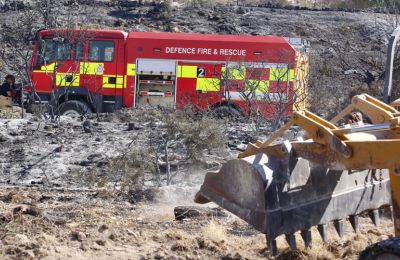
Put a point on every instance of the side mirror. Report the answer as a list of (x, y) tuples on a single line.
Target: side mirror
[(387, 92)]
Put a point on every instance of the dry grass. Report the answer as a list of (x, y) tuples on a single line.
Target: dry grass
[(215, 232), (9, 114)]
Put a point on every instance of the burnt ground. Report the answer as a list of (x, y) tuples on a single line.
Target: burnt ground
[(50, 207)]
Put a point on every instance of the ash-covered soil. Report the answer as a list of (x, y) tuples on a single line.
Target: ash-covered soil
[(48, 210), (35, 151)]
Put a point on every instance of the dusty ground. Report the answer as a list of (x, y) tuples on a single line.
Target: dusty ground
[(66, 224)]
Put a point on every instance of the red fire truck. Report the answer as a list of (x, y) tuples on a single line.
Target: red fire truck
[(105, 70)]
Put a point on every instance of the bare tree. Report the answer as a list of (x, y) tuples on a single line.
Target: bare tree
[(269, 90), (15, 49), (179, 138)]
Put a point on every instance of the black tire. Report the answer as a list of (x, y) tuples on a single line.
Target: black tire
[(74, 107), (385, 250), (227, 112)]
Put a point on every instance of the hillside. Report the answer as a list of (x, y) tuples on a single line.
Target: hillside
[(347, 48)]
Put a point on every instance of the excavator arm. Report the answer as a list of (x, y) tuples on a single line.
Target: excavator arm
[(376, 111)]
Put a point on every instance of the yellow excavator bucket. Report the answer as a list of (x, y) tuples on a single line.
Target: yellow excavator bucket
[(333, 175)]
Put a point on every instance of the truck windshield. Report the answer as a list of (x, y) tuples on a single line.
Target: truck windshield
[(51, 51)]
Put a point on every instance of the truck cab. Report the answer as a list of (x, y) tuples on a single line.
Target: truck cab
[(80, 70)]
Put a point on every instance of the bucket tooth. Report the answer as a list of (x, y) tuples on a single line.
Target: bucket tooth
[(323, 231), (354, 222), (391, 211), (291, 240), (374, 215), (273, 247), (306, 235), (339, 226)]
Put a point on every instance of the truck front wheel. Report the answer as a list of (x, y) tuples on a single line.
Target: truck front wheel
[(74, 108)]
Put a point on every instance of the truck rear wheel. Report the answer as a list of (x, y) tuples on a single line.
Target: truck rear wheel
[(227, 112), (385, 250), (74, 108)]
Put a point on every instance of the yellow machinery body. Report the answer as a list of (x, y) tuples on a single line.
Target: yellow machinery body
[(375, 146)]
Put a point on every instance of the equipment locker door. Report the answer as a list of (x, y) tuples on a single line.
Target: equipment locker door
[(156, 82)]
